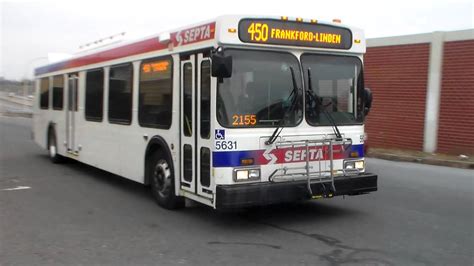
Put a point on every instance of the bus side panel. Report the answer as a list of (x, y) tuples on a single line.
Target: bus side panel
[(40, 119), (131, 140), (58, 118), (120, 149), (135, 139), (98, 141)]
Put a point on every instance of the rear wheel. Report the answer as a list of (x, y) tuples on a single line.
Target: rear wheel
[(53, 148), (162, 182)]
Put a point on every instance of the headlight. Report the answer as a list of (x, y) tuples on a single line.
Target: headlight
[(359, 165), (349, 165), (246, 174), (354, 164)]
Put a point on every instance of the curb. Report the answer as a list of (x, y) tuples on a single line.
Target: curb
[(17, 114), (423, 160)]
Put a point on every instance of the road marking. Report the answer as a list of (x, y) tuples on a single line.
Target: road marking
[(16, 188)]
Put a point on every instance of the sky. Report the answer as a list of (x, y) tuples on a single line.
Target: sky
[(30, 30)]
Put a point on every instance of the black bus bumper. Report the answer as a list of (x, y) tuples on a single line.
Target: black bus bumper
[(245, 195)]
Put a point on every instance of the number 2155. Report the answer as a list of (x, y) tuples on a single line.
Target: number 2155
[(244, 120)]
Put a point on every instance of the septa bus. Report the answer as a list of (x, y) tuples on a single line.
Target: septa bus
[(231, 112)]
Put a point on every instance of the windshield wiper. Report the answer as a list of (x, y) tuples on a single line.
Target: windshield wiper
[(294, 93), (310, 93)]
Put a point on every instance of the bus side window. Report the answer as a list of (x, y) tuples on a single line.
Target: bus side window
[(58, 92), (156, 93), (44, 93), (94, 95), (120, 94)]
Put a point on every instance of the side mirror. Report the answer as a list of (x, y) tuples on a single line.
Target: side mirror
[(367, 101), (221, 66)]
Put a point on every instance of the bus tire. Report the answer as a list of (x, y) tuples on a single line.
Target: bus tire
[(53, 147), (162, 182)]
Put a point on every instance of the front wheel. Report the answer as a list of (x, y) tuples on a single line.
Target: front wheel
[(53, 148), (162, 182)]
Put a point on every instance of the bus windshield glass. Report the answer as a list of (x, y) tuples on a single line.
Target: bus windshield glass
[(337, 89), (259, 92)]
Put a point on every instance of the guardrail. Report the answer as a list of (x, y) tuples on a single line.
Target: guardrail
[(17, 100)]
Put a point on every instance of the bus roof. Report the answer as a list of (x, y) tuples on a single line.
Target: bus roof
[(225, 30)]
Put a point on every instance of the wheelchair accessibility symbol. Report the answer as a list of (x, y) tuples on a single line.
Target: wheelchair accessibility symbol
[(220, 134)]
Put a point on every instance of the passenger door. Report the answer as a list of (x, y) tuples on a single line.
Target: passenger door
[(187, 120), (196, 159), (71, 110)]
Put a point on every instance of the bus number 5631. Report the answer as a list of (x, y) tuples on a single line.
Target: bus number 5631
[(226, 145), (258, 32)]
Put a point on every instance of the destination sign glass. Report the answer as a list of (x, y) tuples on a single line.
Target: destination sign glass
[(271, 31)]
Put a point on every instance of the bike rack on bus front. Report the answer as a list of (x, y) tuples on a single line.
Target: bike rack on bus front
[(298, 173)]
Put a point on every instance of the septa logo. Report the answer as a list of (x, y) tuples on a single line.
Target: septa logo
[(300, 155), (196, 34), (294, 155), (269, 156)]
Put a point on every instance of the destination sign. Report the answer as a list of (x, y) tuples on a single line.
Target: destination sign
[(278, 32)]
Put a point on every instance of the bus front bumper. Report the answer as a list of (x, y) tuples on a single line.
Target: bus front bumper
[(245, 195)]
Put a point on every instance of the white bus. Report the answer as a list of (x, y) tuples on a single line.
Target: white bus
[(232, 112)]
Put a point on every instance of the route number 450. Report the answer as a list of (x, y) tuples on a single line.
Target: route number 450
[(258, 32)]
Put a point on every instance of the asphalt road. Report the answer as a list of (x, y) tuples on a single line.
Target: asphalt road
[(76, 214)]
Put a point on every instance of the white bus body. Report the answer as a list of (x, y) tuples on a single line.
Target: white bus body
[(225, 166)]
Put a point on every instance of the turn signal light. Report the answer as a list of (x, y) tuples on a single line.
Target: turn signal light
[(354, 154), (246, 161)]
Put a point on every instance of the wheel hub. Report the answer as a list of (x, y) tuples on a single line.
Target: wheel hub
[(52, 147), (162, 178)]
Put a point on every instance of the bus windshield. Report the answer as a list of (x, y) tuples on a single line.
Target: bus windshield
[(259, 93), (337, 89)]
